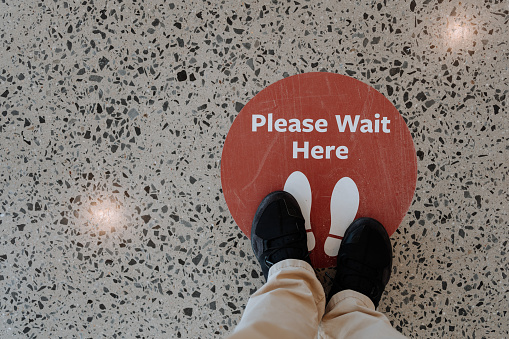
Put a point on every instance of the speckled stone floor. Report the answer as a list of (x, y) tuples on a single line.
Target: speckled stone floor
[(112, 121)]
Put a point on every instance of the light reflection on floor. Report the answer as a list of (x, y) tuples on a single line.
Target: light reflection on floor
[(105, 216)]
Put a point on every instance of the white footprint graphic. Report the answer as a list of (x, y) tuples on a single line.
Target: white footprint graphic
[(343, 208), (297, 185)]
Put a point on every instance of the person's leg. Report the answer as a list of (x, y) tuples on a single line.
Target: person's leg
[(350, 314), (290, 305), (363, 270), (292, 302)]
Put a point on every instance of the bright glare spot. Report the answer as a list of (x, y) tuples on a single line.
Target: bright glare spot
[(458, 32), (105, 216)]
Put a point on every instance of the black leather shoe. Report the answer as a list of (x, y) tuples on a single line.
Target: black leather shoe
[(278, 231), (364, 260)]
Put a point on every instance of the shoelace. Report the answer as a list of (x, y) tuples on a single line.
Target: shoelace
[(298, 237)]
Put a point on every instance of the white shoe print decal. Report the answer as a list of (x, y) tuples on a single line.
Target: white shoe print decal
[(343, 206), (297, 185)]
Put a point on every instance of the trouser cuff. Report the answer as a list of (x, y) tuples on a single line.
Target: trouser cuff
[(340, 296)]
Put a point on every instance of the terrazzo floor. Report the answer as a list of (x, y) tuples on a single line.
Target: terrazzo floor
[(113, 115)]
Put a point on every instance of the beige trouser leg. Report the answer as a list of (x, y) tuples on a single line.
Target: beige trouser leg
[(291, 305), (350, 314)]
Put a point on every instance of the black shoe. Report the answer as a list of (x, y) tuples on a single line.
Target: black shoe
[(278, 231), (364, 260)]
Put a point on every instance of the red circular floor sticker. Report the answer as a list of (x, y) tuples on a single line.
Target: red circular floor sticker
[(336, 144)]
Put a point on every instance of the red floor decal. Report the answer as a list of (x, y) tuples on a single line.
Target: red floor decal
[(339, 146)]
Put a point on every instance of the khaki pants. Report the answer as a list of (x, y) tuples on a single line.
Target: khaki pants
[(292, 305)]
